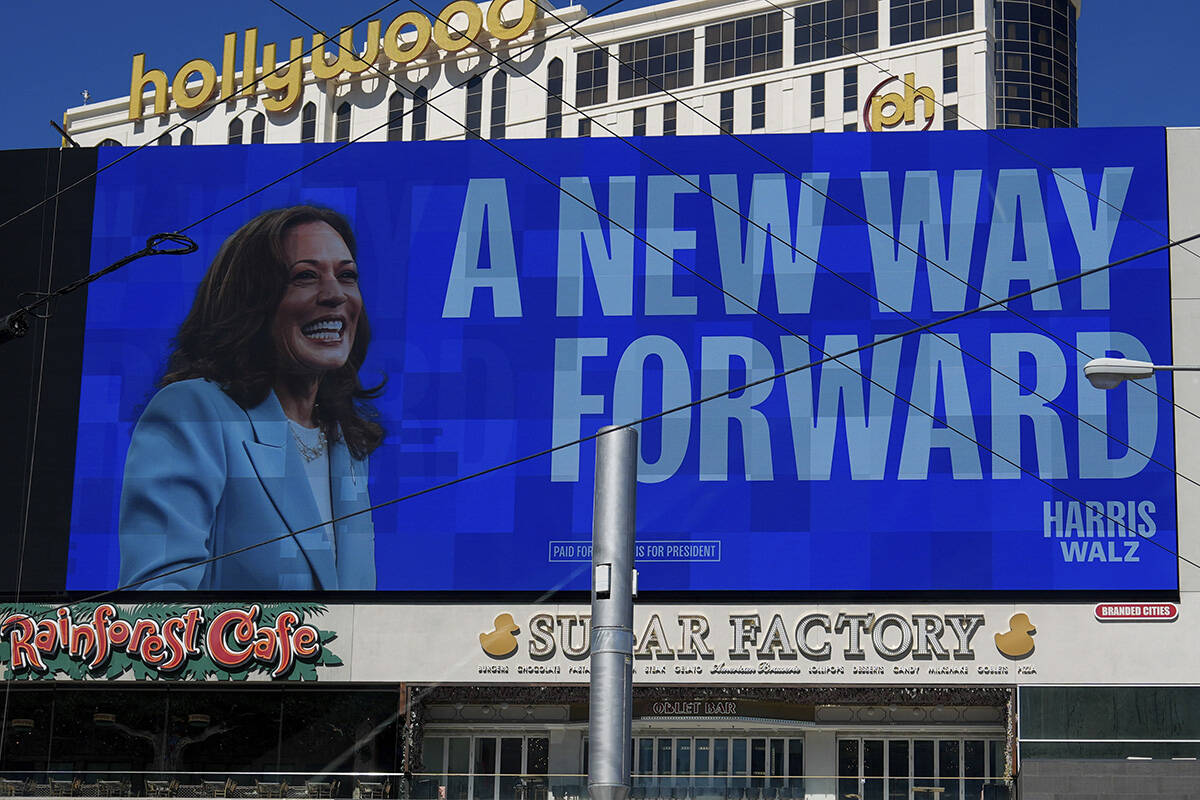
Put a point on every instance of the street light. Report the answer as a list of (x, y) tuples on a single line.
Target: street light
[(1108, 373)]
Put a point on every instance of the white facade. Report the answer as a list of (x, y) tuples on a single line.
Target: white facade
[(955, 69)]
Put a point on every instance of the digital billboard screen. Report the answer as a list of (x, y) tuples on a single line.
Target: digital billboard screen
[(523, 294)]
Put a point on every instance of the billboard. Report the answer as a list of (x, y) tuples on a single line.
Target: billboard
[(523, 294)]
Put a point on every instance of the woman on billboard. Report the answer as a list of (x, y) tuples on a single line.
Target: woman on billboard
[(257, 433)]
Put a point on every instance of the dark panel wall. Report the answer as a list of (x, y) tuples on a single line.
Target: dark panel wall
[(49, 246), (1108, 780)]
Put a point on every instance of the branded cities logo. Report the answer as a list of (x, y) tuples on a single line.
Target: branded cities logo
[(161, 641)]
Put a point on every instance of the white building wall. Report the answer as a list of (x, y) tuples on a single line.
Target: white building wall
[(788, 87)]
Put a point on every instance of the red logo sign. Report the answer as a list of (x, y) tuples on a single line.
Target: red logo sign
[(1137, 612)]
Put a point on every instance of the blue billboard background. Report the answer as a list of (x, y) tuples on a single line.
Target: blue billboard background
[(509, 317)]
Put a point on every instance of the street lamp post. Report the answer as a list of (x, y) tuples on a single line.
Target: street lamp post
[(1109, 373)]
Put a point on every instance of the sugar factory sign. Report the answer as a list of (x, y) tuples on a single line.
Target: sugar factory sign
[(685, 646), (405, 39), (161, 641)]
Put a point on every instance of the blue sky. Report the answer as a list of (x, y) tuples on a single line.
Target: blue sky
[(1131, 64)]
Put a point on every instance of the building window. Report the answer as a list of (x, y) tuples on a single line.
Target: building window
[(660, 63), (949, 70), (109, 143), (420, 113), (187, 136), (591, 78), (484, 766), (895, 767), (727, 111), (913, 20), (164, 140), (834, 28), (669, 125), (342, 123), (395, 125), (474, 118), (818, 95), (554, 103), (639, 122), (743, 46), (235, 131), (585, 127), (499, 105), (850, 89), (1035, 52), (950, 117), (850, 126), (758, 107), (308, 122), (258, 129)]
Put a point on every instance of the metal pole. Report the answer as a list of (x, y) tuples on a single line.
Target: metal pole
[(610, 716)]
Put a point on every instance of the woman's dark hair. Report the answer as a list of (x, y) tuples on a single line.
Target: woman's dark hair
[(226, 337)]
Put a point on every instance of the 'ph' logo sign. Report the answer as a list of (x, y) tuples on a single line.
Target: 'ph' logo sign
[(884, 111)]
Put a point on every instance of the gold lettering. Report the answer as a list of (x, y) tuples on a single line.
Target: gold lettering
[(454, 41), (889, 110), (249, 64), (228, 65), (391, 39), (506, 33), (291, 82), (137, 86), (208, 84), (345, 60), (890, 118)]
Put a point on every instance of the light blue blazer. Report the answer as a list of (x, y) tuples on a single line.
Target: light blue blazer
[(205, 477)]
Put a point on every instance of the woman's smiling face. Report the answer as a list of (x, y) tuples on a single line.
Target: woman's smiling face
[(315, 322)]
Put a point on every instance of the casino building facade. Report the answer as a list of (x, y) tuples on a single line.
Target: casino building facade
[(526, 70)]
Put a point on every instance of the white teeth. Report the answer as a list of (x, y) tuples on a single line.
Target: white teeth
[(325, 330)]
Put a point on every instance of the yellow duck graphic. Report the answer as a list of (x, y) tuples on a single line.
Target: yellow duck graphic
[(1017, 641), (500, 642)]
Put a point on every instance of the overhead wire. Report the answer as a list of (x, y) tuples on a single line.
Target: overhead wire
[(828, 358), (184, 122), (845, 207), (818, 190), (1002, 140), (753, 309)]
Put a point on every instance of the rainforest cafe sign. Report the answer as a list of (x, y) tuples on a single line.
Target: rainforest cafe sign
[(162, 641), (405, 39)]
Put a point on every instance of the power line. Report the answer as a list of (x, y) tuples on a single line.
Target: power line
[(183, 122), (788, 244), (648, 418), (694, 403), (391, 118), (848, 209), (847, 51)]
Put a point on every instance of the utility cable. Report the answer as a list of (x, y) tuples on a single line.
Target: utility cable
[(848, 51), (784, 242), (842, 205), (160, 244), (199, 113), (394, 117), (722, 394), (838, 357), (694, 403), (15, 324)]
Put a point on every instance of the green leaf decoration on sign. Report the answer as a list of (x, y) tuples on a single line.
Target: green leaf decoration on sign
[(198, 668)]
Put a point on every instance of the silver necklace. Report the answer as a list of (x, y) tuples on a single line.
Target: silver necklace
[(309, 452)]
